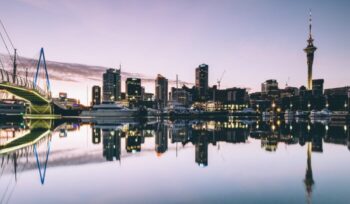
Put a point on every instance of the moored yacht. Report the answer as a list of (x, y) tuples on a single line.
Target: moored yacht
[(110, 109)]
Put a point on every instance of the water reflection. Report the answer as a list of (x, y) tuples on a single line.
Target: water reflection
[(26, 144)]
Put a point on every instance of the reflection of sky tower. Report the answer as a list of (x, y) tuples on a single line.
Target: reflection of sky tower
[(310, 50), (309, 180)]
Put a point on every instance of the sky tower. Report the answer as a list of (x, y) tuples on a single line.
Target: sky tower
[(310, 50)]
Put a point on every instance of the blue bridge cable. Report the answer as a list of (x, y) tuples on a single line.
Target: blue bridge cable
[(42, 175), (42, 57)]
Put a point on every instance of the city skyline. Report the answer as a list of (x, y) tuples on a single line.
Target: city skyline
[(239, 42), (186, 101)]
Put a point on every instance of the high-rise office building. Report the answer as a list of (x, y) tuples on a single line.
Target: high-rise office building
[(270, 87), (161, 90), (96, 95), (310, 50), (181, 96), (112, 85), (202, 81), (133, 89), (317, 87)]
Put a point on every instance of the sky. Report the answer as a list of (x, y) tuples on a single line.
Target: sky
[(251, 40)]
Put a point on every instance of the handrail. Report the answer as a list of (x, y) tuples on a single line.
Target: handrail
[(19, 81)]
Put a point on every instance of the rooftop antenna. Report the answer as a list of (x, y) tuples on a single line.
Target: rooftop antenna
[(310, 40), (310, 23), (177, 81), (287, 82)]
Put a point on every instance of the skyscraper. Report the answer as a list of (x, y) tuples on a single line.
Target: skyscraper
[(96, 95), (133, 89), (310, 50), (317, 87), (202, 79), (161, 90), (112, 85), (270, 87)]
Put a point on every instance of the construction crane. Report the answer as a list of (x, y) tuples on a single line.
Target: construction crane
[(219, 80)]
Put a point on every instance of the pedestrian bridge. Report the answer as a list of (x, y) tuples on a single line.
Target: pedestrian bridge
[(39, 100)]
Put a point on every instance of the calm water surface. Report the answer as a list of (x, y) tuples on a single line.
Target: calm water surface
[(174, 162)]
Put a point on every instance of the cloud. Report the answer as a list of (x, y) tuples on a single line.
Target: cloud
[(41, 4), (73, 72)]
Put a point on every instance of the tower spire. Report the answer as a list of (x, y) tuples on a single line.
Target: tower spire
[(310, 23), (310, 50)]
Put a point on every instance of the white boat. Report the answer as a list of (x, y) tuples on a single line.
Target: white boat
[(110, 109), (324, 113)]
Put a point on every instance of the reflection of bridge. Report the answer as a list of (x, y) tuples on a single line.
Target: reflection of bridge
[(38, 129), (19, 151), (33, 137), (23, 152)]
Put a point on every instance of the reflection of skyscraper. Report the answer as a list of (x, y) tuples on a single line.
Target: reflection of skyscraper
[(310, 50), (133, 144), (317, 133), (309, 180), (161, 139), (202, 150), (96, 135), (347, 130), (111, 144)]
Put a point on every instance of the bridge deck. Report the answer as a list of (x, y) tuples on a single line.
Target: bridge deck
[(31, 138), (27, 94)]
